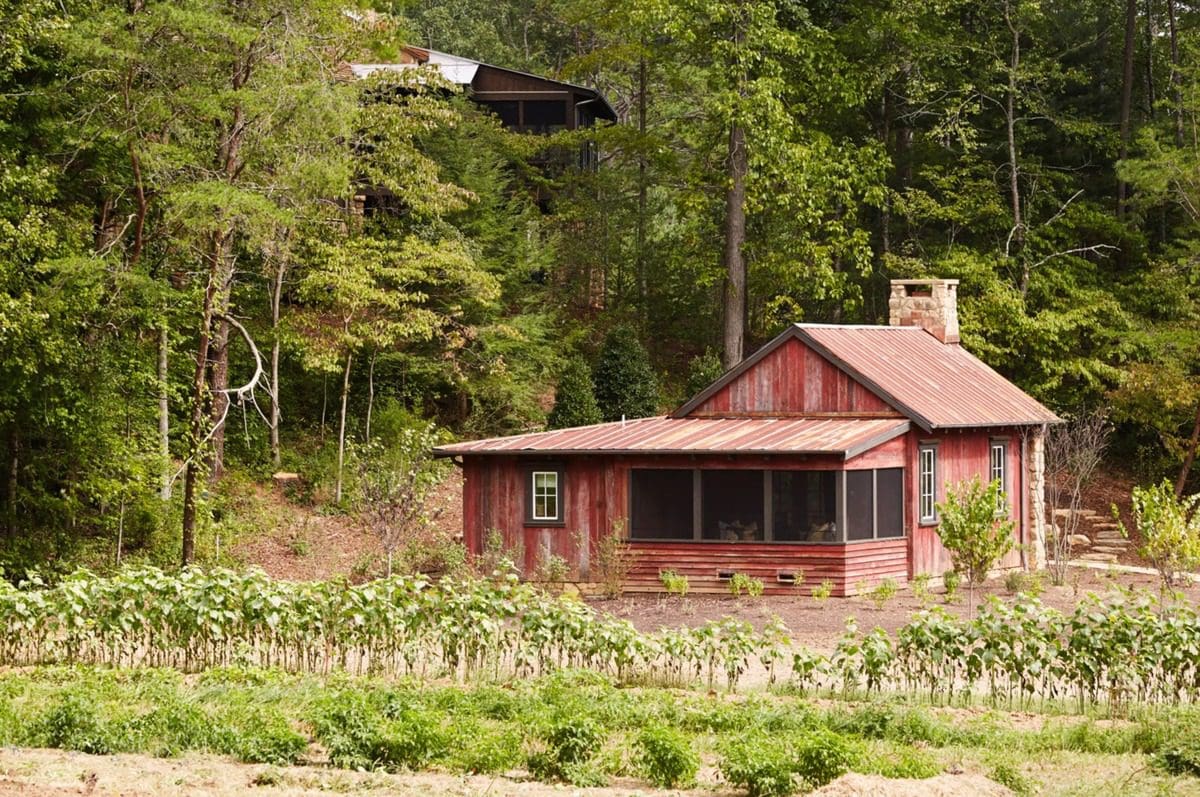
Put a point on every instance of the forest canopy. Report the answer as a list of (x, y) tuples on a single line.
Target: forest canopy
[(199, 281)]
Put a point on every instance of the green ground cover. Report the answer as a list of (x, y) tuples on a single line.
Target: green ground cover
[(581, 728)]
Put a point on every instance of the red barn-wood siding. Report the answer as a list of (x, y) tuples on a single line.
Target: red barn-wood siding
[(793, 379), (961, 456), (849, 567)]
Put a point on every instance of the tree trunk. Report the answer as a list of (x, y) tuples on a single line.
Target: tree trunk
[(1176, 78), (199, 395), (643, 189), (164, 411), (1189, 457), (1151, 34), (370, 394), (735, 237), (1126, 98), (1017, 235), (220, 399), (341, 457), (276, 293)]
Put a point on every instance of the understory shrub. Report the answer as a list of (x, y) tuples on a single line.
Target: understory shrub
[(666, 758), (822, 756), (1180, 754), (72, 722), (570, 745), (759, 764)]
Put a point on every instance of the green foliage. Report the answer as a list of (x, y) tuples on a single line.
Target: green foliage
[(674, 583), (1007, 774), (613, 560), (760, 765), (574, 399), (625, 384), (571, 744), (823, 591), (951, 580), (1170, 530), (1180, 754), (703, 370), (822, 756), (884, 591), (666, 758), (741, 583), (970, 529)]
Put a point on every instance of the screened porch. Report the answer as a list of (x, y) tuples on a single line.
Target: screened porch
[(766, 506)]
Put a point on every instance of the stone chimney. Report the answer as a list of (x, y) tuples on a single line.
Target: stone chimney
[(929, 304)]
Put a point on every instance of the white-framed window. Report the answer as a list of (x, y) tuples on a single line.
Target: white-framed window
[(927, 483), (546, 503), (998, 471)]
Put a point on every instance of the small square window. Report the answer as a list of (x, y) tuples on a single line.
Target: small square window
[(544, 496)]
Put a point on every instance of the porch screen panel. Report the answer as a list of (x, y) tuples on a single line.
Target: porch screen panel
[(804, 505), (889, 502), (860, 509), (660, 504), (732, 505)]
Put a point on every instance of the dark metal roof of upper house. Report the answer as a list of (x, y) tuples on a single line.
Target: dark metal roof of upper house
[(462, 71), (937, 385), (847, 437)]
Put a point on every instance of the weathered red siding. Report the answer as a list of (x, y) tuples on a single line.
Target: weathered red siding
[(793, 379), (961, 456), (850, 567)]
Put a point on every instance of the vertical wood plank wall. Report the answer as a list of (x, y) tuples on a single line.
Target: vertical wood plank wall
[(790, 380)]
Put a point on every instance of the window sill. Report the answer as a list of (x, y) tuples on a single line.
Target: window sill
[(531, 523)]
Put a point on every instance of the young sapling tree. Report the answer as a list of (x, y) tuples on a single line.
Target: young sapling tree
[(974, 532)]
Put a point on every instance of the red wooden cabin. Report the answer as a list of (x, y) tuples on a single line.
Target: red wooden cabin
[(822, 456)]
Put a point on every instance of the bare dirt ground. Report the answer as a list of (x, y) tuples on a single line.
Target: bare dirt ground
[(55, 773), (818, 624)]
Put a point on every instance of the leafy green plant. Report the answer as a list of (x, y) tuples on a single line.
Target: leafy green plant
[(884, 591), (920, 588), (1170, 530), (72, 723), (951, 580), (741, 583), (822, 756), (571, 744), (674, 583), (666, 758), (1007, 774), (972, 532), (760, 765), (823, 591), (613, 560)]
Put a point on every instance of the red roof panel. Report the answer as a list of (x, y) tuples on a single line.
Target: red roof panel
[(845, 436), (936, 384)]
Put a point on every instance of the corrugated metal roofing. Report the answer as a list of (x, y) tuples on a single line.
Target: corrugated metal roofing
[(938, 385), (935, 384), (845, 436)]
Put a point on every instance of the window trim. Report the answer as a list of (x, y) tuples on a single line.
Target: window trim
[(1004, 507), (532, 471), (930, 448)]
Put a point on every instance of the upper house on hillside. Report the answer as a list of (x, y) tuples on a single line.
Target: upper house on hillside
[(822, 456), (523, 102)]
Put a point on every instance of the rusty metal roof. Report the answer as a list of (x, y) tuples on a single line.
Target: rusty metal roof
[(847, 437), (935, 384), (938, 385)]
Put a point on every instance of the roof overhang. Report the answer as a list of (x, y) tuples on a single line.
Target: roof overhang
[(845, 438)]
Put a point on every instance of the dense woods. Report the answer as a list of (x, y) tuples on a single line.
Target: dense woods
[(192, 292)]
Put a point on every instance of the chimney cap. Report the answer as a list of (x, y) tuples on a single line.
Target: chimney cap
[(930, 281)]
